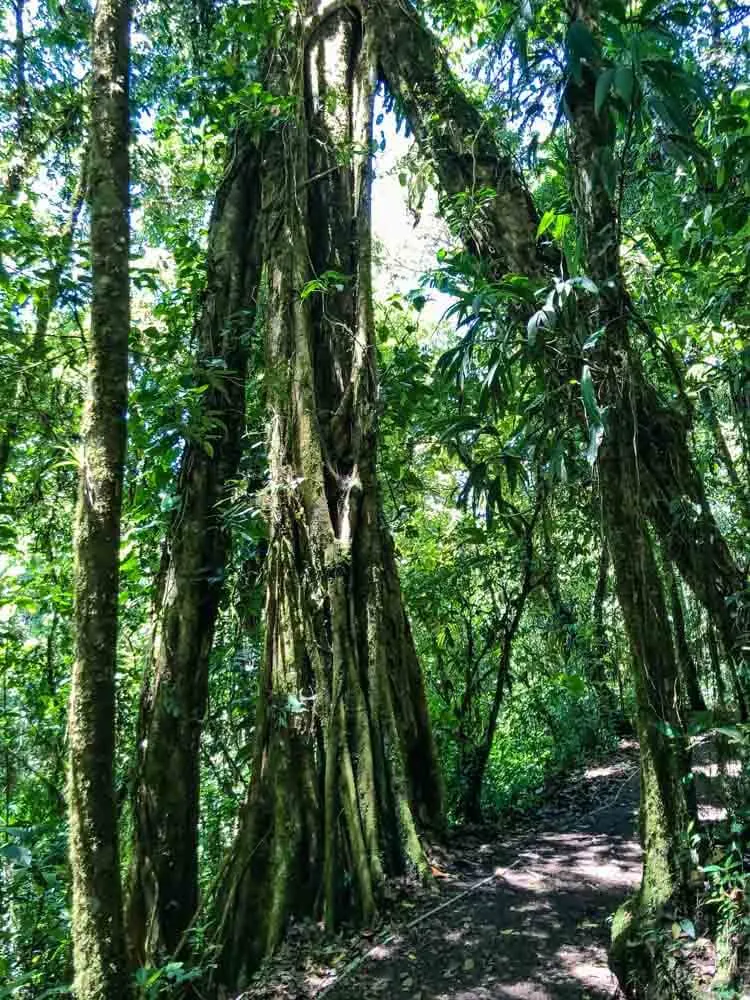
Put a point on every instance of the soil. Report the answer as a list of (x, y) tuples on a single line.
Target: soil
[(523, 916)]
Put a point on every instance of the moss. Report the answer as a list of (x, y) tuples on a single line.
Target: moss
[(621, 924), (648, 962)]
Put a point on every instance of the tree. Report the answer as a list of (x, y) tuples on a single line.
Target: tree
[(466, 157), (419, 76), (164, 876), (98, 939), (665, 811), (344, 772), (477, 745), (593, 360)]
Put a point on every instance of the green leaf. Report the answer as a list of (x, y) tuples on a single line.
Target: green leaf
[(624, 79), (545, 222), (581, 43), (603, 87), (593, 412), (13, 988)]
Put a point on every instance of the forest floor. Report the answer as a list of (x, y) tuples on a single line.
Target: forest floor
[(521, 914)]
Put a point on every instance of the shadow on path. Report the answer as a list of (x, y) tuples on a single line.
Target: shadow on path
[(538, 930)]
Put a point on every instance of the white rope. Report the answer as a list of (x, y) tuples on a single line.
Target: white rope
[(389, 938)]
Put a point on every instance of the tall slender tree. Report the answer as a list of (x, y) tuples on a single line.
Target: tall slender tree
[(98, 938), (164, 874), (617, 378)]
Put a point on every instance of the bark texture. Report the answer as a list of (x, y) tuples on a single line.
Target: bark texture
[(98, 939), (344, 769), (164, 872)]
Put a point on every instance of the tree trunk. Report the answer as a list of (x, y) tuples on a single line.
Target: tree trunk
[(164, 872), (600, 644), (465, 156), (344, 766), (686, 663), (473, 766), (599, 635), (675, 503), (475, 759), (98, 939), (457, 142), (565, 618), (666, 809), (713, 653)]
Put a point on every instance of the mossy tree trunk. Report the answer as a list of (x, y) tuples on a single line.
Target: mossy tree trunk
[(164, 872), (666, 805), (98, 938), (676, 505), (462, 149), (618, 377), (344, 770), (454, 138)]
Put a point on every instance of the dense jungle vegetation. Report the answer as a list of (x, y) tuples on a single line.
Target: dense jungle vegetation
[(306, 558)]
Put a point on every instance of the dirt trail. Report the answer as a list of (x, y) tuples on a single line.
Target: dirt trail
[(537, 930)]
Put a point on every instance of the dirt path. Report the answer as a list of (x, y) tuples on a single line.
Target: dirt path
[(522, 916), (537, 930)]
